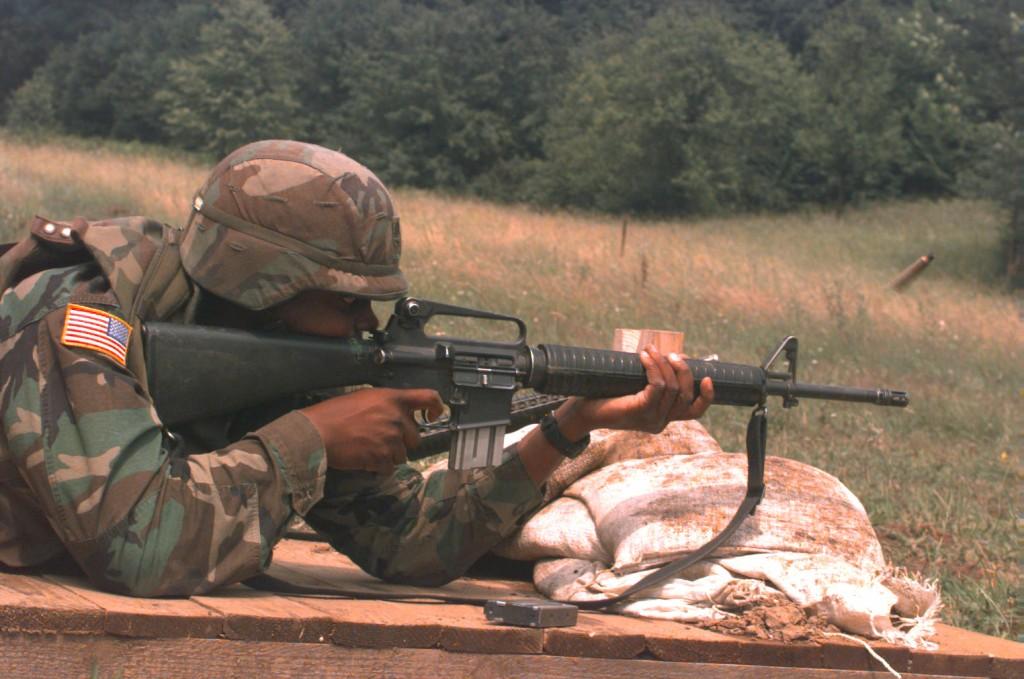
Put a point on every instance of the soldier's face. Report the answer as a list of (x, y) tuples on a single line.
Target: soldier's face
[(327, 314)]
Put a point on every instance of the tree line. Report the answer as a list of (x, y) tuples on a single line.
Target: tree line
[(634, 106)]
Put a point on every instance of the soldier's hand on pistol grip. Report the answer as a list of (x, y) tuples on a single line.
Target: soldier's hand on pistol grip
[(372, 429)]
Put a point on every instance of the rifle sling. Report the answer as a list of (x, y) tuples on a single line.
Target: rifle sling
[(757, 435)]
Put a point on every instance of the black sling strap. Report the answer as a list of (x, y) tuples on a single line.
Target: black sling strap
[(757, 437)]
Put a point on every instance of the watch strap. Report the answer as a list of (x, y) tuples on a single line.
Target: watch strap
[(570, 449)]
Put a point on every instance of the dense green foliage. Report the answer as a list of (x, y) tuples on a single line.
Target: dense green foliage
[(235, 84), (645, 106), (691, 115)]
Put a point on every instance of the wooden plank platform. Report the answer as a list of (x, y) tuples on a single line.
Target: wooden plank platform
[(58, 625)]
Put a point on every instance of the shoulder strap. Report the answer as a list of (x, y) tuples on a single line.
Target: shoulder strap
[(163, 289)]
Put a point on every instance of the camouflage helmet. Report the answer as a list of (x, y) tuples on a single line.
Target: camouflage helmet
[(276, 218)]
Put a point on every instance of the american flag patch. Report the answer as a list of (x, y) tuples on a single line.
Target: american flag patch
[(97, 330)]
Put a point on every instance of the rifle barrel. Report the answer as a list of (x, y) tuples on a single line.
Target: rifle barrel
[(881, 397)]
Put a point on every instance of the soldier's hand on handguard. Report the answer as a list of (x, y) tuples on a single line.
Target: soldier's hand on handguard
[(670, 395), (372, 429)]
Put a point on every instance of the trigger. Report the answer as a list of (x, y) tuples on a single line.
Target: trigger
[(422, 417)]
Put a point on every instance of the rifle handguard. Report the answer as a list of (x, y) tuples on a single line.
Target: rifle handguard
[(600, 373)]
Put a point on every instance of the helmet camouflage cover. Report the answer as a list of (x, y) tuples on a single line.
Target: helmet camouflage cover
[(276, 218)]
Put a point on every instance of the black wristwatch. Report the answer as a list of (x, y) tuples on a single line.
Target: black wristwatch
[(554, 435)]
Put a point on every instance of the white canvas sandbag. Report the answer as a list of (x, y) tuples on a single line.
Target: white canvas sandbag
[(810, 542), (567, 579), (892, 606), (563, 527), (706, 583), (715, 590), (803, 578), (851, 598), (654, 510), (608, 446), (703, 593)]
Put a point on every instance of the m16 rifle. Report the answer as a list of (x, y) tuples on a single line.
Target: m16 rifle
[(197, 371)]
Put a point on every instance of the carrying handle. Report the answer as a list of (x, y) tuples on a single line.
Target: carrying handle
[(413, 313)]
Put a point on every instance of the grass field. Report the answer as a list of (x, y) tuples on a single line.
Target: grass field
[(941, 480)]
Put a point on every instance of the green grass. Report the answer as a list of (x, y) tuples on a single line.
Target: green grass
[(941, 480)]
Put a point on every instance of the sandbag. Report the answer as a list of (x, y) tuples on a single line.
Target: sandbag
[(561, 527), (809, 544), (607, 447), (651, 511), (564, 525)]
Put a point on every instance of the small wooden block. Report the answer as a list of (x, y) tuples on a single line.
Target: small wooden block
[(783, 654), (677, 641), (474, 634), (633, 340), (453, 627), (358, 623), (683, 643), (1007, 668), (377, 624)]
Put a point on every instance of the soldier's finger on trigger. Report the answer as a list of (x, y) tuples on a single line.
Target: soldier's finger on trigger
[(423, 416), (421, 399)]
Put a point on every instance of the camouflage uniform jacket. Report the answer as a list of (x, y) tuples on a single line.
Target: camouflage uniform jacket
[(85, 464)]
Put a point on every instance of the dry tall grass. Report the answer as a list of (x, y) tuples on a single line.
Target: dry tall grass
[(935, 478), (54, 175), (816, 267)]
